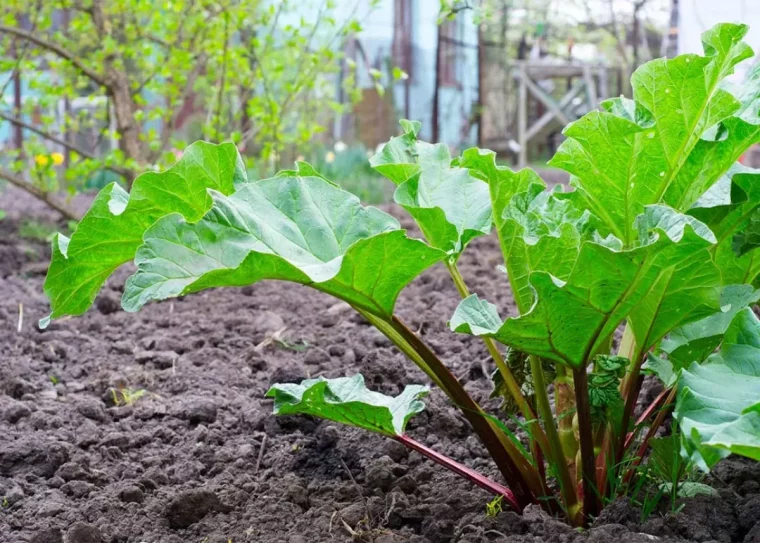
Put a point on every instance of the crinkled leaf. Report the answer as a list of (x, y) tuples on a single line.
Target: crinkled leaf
[(537, 230), (713, 156), (730, 209), (450, 205), (749, 238), (718, 405), (113, 228), (348, 401), (397, 160), (687, 286), (606, 402), (663, 368), (689, 489), (632, 154), (300, 229), (519, 365), (303, 169), (475, 317), (570, 321), (695, 341)]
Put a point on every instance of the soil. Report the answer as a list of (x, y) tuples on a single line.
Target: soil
[(198, 457)]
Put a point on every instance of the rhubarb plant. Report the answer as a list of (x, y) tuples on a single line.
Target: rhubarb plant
[(655, 235)]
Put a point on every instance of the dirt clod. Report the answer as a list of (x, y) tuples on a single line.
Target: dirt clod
[(83, 533), (48, 535), (190, 506)]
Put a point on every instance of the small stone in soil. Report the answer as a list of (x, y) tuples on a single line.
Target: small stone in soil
[(83, 533), (191, 506)]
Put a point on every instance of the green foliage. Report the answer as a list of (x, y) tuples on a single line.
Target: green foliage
[(718, 401), (697, 340), (152, 78), (604, 389), (348, 401), (201, 224), (450, 206), (113, 228)]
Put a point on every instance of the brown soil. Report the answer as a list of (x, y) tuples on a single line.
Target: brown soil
[(199, 457)]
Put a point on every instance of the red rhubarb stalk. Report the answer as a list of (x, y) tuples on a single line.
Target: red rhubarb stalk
[(483, 482)]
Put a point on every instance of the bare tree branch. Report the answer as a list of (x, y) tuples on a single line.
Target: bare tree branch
[(58, 50), (126, 172), (39, 194)]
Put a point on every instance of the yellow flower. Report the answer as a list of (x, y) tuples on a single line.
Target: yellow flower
[(57, 158), (329, 157), (41, 160)]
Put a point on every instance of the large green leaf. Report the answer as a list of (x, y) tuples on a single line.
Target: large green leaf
[(538, 231), (718, 405), (687, 286), (731, 209), (113, 228), (632, 154), (348, 401), (301, 229), (572, 320), (721, 146), (695, 341), (450, 205)]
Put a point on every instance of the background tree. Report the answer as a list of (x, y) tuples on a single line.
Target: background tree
[(148, 77)]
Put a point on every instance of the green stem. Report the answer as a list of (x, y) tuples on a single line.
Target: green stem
[(518, 473), (630, 389), (510, 382), (522, 478), (564, 401), (627, 346), (555, 451), (588, 462), (658, 420)]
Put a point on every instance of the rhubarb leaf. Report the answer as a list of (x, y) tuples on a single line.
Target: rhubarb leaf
[(718, 406), (348, 401), (688, 285), (715, 154), (300, 229), (572, 320), (695, 341), (113, 228), (450, 206), (538, 230), (631, 155), (730, 209)]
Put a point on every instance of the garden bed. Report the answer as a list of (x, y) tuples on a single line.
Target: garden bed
[(199, 457)]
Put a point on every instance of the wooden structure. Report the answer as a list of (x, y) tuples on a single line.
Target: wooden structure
[(586, 85)]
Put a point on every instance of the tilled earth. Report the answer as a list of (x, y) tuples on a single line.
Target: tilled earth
[(188, 451)]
